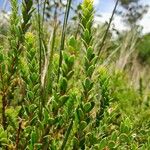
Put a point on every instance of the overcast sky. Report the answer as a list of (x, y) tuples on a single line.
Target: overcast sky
[(105, 7)]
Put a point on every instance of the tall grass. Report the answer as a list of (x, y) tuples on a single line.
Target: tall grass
[(62, 91)]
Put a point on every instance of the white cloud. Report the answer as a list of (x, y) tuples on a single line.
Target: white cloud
[(145, 22), (4, 17), (118, 23), (96, 2)]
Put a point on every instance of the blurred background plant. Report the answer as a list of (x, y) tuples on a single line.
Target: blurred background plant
[(67, 82)]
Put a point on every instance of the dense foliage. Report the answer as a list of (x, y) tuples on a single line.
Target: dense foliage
[(71, 88)]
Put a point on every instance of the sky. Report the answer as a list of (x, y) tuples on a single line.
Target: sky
[(105, 7)]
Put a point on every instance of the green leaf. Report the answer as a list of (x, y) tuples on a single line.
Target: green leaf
[(55, 105), (103, 143), (114, 136), (34, 77), (63, 85), (72, 42), (30, 95), (34, 120), (46, 116), (51, 121), (65, 69), (83, 125), (65, 57), (92, 138), (38, 146), (87, 63), (3, 136), (124, 138), (87, 37), (124, 128), (90, 54), (71, 60), (75, 142), (88, 107), (88, 84), (80, 114), (3, 67), (90, 71), (63, 99), (70, 74), (33, 137), (1, 58), (111, 144)]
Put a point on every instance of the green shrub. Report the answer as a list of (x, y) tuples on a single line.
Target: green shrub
[(66, 99), (144, 49)]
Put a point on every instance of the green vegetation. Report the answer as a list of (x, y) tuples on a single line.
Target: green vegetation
[(66, 88), (144, 49)]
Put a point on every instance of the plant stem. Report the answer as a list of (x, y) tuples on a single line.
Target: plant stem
[(63, 36), (4, 104), (108, 27), (67, 135), (49, 60), (43, 11), (40, 62), (18, 134)]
